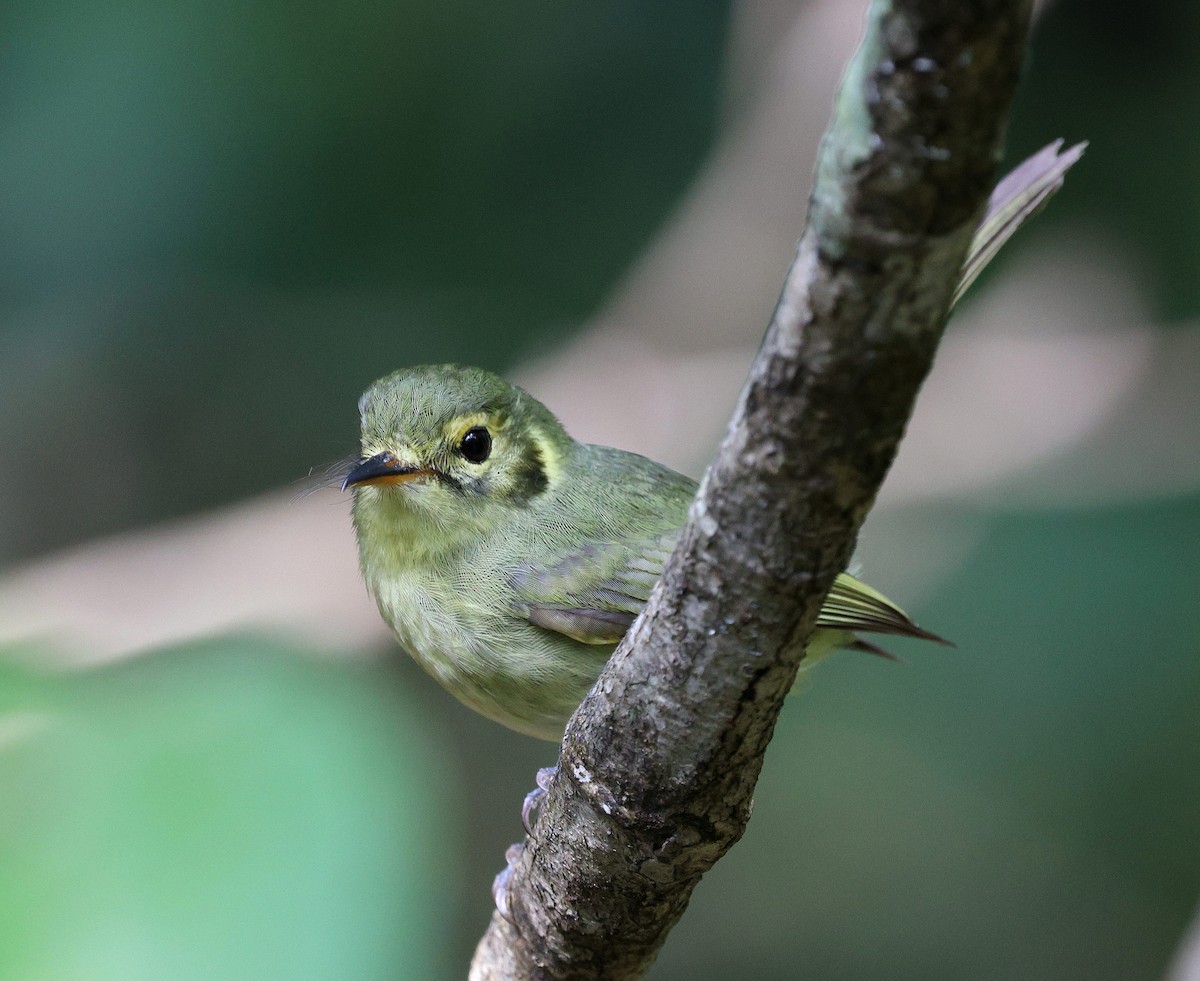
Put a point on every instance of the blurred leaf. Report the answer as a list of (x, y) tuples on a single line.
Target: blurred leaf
[(225, 811)]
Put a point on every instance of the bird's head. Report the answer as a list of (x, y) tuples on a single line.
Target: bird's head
[(455, 445)]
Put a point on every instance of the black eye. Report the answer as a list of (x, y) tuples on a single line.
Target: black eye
[(476, 444)]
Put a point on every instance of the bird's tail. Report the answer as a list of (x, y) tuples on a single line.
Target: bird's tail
[(853, 607), (1020, 195)]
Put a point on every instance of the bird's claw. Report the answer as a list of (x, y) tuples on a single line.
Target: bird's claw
[(512, 855), (533, 799)]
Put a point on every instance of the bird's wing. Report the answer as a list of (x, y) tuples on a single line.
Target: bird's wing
[(855, 607), (594, 593)]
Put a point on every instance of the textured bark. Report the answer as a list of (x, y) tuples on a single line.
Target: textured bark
[(659, 763)]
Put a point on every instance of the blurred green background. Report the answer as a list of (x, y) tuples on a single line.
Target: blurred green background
[(219, 222)]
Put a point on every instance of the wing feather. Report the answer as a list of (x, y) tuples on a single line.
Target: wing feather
[(853, 605), (595, 593)]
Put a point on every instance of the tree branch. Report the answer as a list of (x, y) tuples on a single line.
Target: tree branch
[(659, 763)]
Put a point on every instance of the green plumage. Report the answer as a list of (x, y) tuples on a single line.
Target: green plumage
[(511, 574), (511, 579)]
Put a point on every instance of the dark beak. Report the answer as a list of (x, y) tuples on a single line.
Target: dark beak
[(383, 468)]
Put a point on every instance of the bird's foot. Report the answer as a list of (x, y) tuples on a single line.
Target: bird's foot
[(533, 799), (512, 855)]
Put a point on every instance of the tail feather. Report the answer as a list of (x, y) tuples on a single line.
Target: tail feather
[(854, 606), (1018, 197), (868, 648)]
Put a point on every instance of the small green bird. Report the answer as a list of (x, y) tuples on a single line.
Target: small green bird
[(509, 559)]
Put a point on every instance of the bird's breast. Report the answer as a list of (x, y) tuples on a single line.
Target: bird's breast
[(484, 653)]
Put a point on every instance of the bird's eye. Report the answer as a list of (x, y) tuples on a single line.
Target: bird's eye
[(476, 444)]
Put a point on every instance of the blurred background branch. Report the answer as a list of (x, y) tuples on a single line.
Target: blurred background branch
[(1186, 966)]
